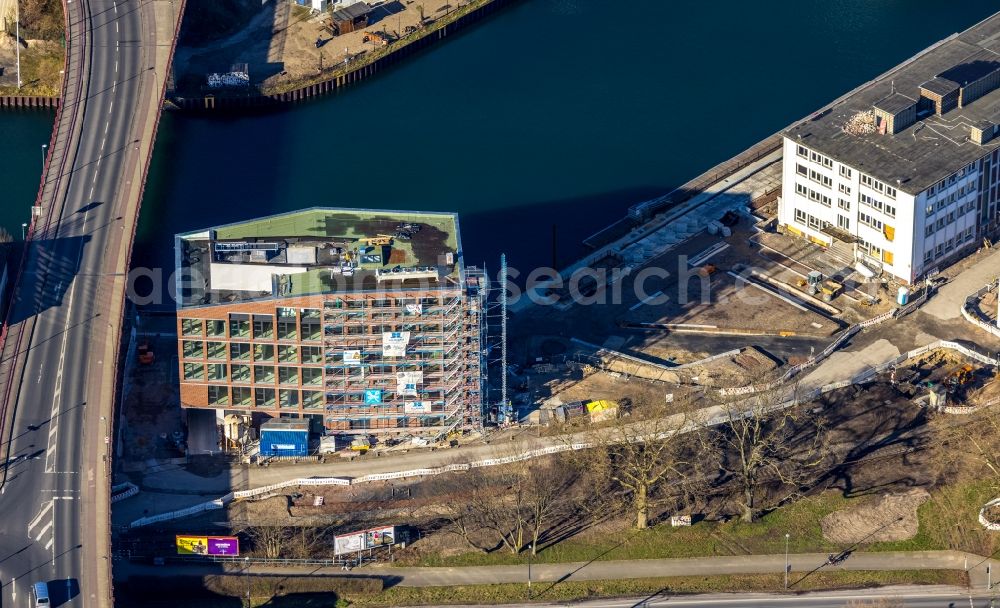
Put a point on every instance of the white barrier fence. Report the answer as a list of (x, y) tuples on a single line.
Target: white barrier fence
[(973, 317), (989, 525), (123, 491)]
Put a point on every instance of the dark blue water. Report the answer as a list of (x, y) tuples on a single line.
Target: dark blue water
[(553, 112), (22, 134)]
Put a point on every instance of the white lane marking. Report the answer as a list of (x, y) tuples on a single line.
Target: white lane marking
[(64, 497), (13, 590), (48, 546), (44, 529), (646, 299), (41, 514)]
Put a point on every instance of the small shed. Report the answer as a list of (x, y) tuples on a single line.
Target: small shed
[(284, 437), (351, 18)]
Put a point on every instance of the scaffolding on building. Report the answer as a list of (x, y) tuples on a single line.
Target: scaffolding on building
[(432, 385)]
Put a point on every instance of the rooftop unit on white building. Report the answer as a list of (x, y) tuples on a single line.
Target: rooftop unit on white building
[(902, 174)]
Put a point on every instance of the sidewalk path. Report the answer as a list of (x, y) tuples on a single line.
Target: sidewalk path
[(802, 564)]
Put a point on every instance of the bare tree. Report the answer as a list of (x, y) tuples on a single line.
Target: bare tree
[(979, 440), (511, 504), (643, 457), (268, 540), (763, 441)]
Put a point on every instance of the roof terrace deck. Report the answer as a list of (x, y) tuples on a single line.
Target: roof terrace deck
[(316, 251)]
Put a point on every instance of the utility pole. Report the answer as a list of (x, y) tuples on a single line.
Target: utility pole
[(503, 338), (786, 560), (17, 39), (530, 549)]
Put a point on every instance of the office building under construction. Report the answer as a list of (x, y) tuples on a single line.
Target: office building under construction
[(366, 322)]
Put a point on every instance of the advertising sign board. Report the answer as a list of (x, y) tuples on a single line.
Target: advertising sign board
[(394, 343), (406, 383), (207, 545)]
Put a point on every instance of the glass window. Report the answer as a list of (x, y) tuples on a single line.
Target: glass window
[(217, 372), (312, 399), (264, 397), (218, 395), (193, 349), (241, 373), (312, 376), (216, 350), (312, 354), (263, 327), (216, 328), (194, 371), (239, 350), (239, 328), (242, 396), (191, 327), (288, 375), (287, 354), (287, 329), (263, 352), (263, 374), (312, 330), (310, 313), (288, 398)]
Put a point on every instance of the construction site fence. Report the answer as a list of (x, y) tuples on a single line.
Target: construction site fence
[(970, 313), (834, 346)]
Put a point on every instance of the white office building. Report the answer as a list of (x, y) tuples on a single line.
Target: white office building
[(902, 174)]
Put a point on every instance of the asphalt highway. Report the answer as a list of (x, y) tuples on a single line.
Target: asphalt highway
[(47, 531)]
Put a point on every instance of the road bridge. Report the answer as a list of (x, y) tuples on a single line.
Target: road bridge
[(58, 369)]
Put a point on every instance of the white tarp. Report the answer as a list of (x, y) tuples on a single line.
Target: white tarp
[(406, 383), (415, 309), (394, 343), (247, 277), (352, 357)]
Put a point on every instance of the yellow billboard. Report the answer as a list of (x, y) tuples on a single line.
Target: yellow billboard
[(208, 545)]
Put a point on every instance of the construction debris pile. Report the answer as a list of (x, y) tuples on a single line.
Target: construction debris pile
[(862, 123)]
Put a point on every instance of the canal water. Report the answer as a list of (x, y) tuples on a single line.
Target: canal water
[(553, 113)]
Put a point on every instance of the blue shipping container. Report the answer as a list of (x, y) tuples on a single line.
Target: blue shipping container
[(283, 441)]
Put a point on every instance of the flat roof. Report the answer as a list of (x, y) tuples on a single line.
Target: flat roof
[(316, 251), (935, 146), (895, 103)]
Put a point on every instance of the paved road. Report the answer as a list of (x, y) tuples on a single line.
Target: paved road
[(912, 597), (803, 565), (58, 369)]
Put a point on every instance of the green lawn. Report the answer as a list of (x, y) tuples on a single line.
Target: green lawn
[(572, 590), (569, 591), (40, 72), (947, 521)]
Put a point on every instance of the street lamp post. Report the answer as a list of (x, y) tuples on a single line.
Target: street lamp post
[(24, 230), (786, 560), (530, 549), (246, 577), (44, 148)]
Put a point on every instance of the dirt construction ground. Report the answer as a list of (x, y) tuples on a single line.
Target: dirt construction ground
[(280, 43)]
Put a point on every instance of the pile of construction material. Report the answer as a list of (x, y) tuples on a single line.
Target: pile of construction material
[(862, 123)]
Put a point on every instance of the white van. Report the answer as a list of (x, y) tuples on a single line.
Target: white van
[(40, 595)]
